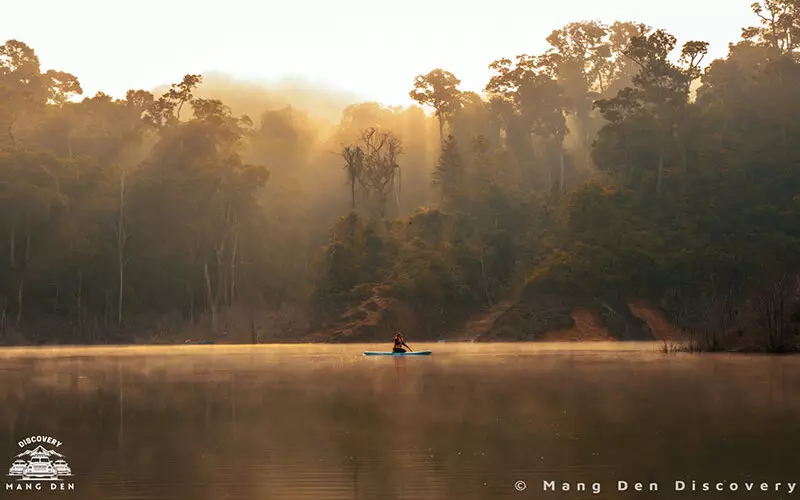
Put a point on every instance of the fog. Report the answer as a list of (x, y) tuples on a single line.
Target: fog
[(312, 422), (253, 97), (299, 132), (160, 211)]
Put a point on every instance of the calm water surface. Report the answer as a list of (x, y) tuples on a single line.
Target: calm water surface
[(325, 422)]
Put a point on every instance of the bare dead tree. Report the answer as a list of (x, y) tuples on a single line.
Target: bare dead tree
[(354, 166), (380, 166), (373, 164)]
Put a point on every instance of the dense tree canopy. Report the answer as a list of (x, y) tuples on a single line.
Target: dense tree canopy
[(614, 164)]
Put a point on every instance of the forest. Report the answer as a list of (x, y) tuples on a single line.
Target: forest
[(617, 166)]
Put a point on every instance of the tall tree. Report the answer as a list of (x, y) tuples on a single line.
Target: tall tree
[(354, 167), (122, 240), (62, 87), (536, 107), (374, 165), (658, 97), (618, 73), (450, 174), (167, 109), (578, 59), (779, 26), (381, 152), (473, 119), (439, 90), (23, 91)]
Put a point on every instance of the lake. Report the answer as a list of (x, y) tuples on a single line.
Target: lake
[(470, 421)]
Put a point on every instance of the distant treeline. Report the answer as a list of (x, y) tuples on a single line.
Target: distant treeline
[(613, 163)]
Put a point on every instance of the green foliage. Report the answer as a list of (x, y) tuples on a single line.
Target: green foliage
[(450, 173), (779, 25), (445, 262), (612, 164), (105, 216), (438, 89), (701, 198)]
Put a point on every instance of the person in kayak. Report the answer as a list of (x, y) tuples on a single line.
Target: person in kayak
[(399, 343)]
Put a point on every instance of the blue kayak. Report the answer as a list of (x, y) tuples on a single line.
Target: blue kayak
[(415, 353)]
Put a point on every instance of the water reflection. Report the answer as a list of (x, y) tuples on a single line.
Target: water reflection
[(324, 422)]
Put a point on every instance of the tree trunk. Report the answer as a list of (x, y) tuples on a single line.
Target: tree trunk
[(233, 265), (190, 284), (121, 240), (626, 165), (397, 193), (305, 235), (222, 282), (586, 136), (485, 280), (785, 143), (20, 290), (12, 236), (561, 168), (253, 336), (80, 301), (660, 173), (10, 132), (773, 26), (685, 161), (106, 309), (191, 304), (222, 289), (382, 200), (781, 323), (210, 298)]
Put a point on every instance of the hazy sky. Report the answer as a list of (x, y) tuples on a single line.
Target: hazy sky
[(374, 48)]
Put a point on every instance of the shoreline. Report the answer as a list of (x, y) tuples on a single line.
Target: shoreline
[(549, 344)]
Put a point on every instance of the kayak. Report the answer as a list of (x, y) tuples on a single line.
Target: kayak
[(198, 342), (414, 353)]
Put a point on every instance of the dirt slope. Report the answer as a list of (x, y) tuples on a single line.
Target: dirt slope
[(479, 324), (587, 327), (660, 327)]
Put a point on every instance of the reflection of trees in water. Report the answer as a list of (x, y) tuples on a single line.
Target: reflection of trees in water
[(259, 427)]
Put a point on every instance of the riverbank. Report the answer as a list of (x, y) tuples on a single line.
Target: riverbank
[(540, 319), (701, 346)]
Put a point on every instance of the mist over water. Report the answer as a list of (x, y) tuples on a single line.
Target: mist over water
[(311, 422)]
